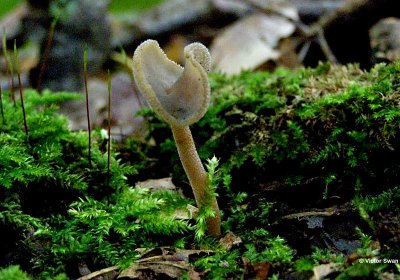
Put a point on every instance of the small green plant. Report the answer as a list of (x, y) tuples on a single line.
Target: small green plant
[(110, 232), (223, 265), (304, 264), (207, 211), (267, 249), (13, 273), (325, 255)]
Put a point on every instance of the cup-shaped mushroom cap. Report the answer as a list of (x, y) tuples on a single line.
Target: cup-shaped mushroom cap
[(180, 96)]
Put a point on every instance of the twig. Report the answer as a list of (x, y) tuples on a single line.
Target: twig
[(326, 213), (85, 75), (304, 50), (46, 54), (325, 47), (21, 95), (301, 27), (308, 34), (166, 263), (98, 273)]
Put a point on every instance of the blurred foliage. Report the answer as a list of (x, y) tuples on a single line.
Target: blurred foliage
[(122, 6), (116, 6), (7, 6)]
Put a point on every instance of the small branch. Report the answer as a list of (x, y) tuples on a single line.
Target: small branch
[(85, 75), (301, 27), (98, 273), (326, 213), (308, 34), (325, 47), (304, 50)]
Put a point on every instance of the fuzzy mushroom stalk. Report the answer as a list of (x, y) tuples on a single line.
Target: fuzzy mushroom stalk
[(180, 96)]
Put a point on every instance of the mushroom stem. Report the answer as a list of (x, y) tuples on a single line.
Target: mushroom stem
[(196, 174)]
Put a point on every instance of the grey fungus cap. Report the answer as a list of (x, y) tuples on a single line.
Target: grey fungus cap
[(180, 96)]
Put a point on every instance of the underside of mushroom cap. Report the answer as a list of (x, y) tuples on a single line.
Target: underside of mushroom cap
[(178, 95)]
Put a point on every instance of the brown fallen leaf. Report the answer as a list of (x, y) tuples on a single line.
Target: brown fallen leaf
[(249, 43), (257, 271), (157, 184), (230, 240), (162, 262), (323, 270)]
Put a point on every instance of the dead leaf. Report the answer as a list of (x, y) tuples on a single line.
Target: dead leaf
[(186, 214), (230, 240), (157, 184), (249, 42), (258, 271), (105, 274), (323, 270), (162, 262)]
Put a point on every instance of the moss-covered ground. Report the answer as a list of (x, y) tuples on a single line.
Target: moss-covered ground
[(308, 177)]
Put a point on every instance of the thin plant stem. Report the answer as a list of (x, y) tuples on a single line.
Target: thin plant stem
[(46, 54), (9, 67), (85, 76), (21, 95), (109, 130)]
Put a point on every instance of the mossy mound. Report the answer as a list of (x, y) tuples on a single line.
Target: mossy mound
[(334, 125), (309, 174), (310, 155)]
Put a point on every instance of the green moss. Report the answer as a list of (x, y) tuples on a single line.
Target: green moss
[(13, 273), (335, 126), (58, 210), (303, 124)]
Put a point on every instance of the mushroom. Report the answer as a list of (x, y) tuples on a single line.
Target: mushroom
[(180, 96)]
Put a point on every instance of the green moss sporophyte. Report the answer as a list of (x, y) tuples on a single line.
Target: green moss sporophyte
[(180, 96)]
